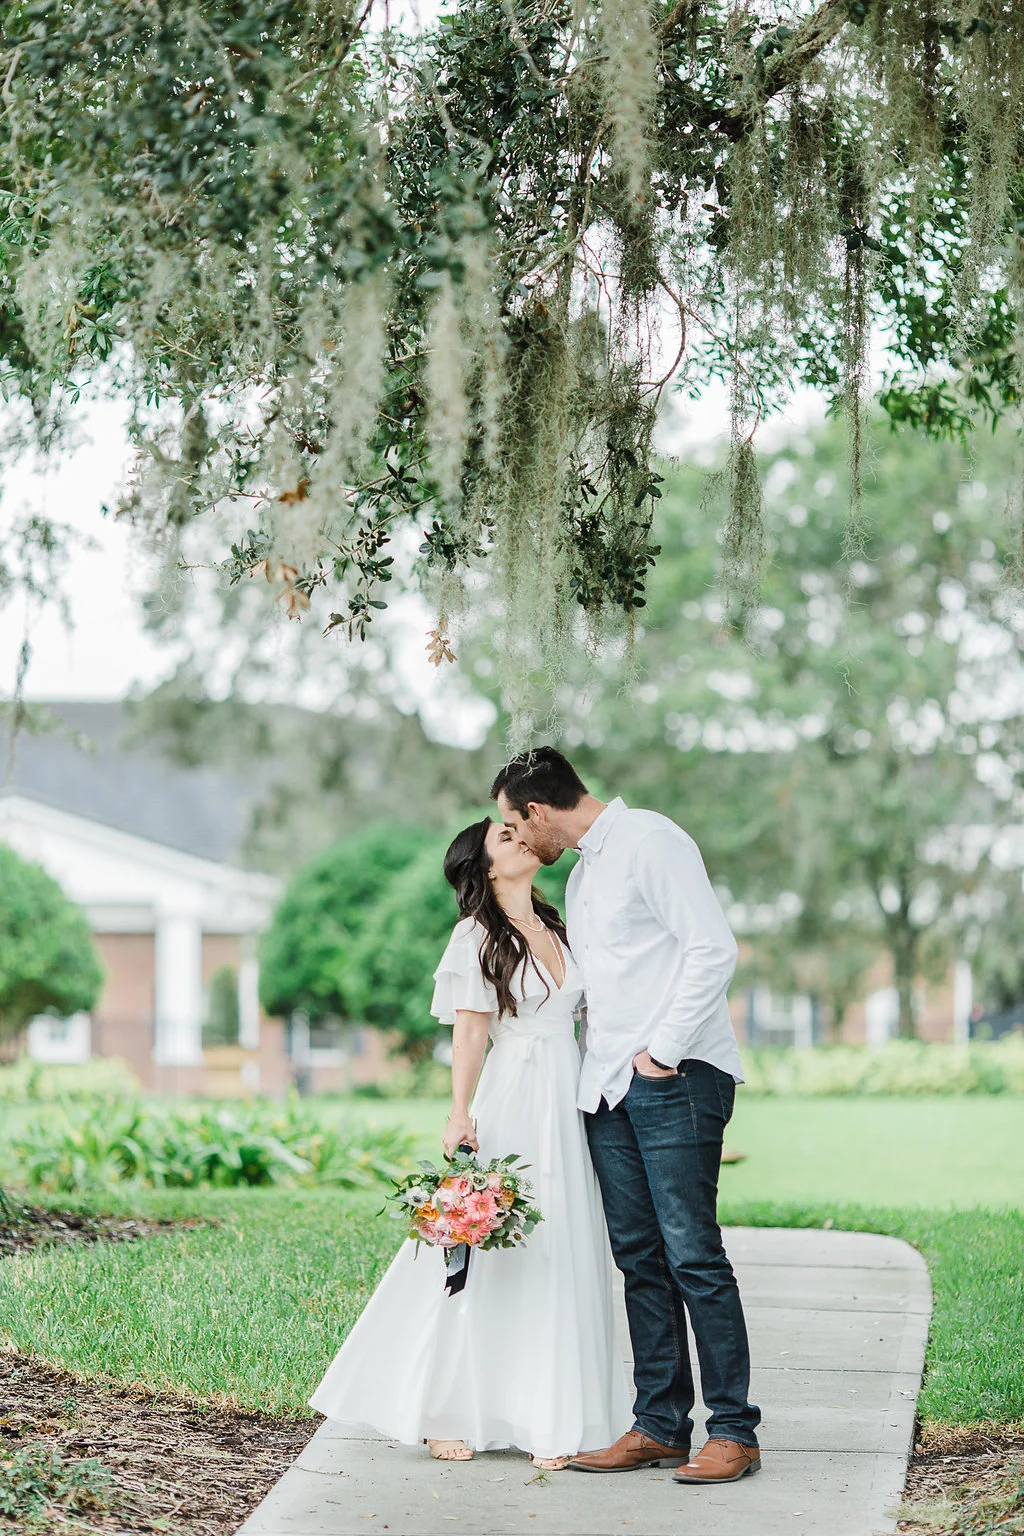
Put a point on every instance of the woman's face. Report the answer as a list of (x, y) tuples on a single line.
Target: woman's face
[(510, 859)]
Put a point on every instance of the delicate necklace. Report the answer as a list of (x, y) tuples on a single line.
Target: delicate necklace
[(539, 928), (542, 927)]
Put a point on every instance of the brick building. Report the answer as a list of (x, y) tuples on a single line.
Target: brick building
[(149, 850)]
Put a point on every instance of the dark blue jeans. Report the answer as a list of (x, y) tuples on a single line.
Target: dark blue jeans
[(657, 1156)]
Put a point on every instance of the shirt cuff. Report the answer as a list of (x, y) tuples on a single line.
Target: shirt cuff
[(664, 1049)]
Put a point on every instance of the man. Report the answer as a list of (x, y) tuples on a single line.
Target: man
[(657, 1087)]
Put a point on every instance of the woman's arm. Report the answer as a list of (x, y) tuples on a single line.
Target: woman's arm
[(469, 1042)]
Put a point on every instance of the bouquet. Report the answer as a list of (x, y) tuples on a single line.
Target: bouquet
[(465, 1206)]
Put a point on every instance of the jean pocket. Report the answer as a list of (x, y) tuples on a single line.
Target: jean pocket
[(657, 1082)]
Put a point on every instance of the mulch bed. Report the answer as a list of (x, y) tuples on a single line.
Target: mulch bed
[(175, 1469), (24, 1227), (961, 1464)]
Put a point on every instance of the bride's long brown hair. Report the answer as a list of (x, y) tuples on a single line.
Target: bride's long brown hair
[(504, 950)]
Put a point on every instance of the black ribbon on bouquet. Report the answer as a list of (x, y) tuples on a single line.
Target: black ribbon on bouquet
[(457, 1268), (457, 1258)]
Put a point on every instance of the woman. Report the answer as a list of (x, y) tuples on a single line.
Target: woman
[(526, 1354)]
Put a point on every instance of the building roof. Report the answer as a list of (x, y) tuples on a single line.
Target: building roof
[(91, 766)]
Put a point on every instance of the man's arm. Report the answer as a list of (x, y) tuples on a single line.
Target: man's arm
[(672, 879)]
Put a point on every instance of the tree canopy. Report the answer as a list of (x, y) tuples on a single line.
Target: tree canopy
[(47, 957), (371, 288), (851, 766), (360, 930), (317, 924)]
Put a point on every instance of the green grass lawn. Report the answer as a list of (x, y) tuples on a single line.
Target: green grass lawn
[(244, 1312), (975, 1362), (933, 1152), (249, 1310)]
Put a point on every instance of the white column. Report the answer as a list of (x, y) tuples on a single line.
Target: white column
[(803, 1022), (249, 996), (179, 990), (963, 1001), (881, 1015), (300, 1040)]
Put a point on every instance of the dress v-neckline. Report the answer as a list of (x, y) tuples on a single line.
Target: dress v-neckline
[(564, 953)]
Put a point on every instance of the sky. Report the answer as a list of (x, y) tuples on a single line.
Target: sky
[(106, 653)]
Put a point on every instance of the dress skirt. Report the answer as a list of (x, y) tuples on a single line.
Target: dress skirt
[(526, 1355)]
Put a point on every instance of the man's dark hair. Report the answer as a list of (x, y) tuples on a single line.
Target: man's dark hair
[(543, 776)]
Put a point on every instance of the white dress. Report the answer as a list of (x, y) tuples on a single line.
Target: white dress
[(526, 1355)]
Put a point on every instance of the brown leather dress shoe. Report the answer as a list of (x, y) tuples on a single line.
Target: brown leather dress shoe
[(720, 1461), (631, 1450)]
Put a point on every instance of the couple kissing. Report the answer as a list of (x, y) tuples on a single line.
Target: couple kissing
[(623, 1133)]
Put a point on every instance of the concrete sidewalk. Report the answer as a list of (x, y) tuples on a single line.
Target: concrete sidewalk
[(838, 1324)]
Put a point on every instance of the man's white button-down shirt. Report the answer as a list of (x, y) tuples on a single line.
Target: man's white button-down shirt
[(655, 949)]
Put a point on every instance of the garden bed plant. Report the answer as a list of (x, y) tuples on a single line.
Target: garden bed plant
[(96, 1145), (901, 1067)]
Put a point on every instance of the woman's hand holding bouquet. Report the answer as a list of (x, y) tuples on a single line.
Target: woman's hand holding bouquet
[(459, 1131)]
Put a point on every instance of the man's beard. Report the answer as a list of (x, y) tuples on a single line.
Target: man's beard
[(549, 852)]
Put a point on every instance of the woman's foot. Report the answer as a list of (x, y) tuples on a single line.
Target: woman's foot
[(450, 1450), (550, 1463)]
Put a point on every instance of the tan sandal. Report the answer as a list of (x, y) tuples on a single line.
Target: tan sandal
[(449, 1450), (550, 1463)]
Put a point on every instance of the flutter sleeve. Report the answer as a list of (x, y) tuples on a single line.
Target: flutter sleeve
[(458, 980)]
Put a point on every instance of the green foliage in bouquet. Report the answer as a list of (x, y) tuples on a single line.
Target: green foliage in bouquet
[(486, 1206)]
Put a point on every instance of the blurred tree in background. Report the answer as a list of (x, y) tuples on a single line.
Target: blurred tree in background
[(315, 775), (849, 752), (304, 959), (360, 930), (47, 959), (388, 973)]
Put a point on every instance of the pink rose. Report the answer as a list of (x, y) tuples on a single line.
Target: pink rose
[(452, 1192), (439, 1233), (494, 1181)]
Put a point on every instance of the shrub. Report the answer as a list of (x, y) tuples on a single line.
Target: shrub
[(47, 957), (319, 919), (428, 1079), (28, 1082), (221, 1024), (388, 973), (94, 1146), (901, 1067)]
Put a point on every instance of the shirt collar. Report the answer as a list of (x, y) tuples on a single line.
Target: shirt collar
[(591, 842)]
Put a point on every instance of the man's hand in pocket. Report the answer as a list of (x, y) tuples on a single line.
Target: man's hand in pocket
[(644, 1066)]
